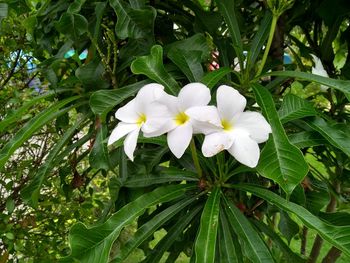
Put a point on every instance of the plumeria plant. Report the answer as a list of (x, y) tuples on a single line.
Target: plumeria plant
[(175, 131)]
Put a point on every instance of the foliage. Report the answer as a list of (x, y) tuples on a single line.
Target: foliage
[(67, 66)]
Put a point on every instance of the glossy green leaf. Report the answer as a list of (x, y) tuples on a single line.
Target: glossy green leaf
[(189, 62), (294, 107), (306, 139), (99, 158), (103, 101), (172, 236), (93, 245), (166, 175), (30, 193), (289, 255), (253, 246), (148, 229), (152, 66), (338, 236), (280, 160), (205, 244), (227, 245), (341, 85), (259, 40), (212, 78), (336, 134), (133, 23), (32, 126), (227, 10), (73, 25)]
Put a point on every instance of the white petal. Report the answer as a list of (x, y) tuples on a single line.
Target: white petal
[(157, 126), (208, 114), (205, 119), (229, 102), (179, 139), (148, 94), (128, 113), (121, 130), (215, 143), (255, 124), (171, 102), (193, 94), (130, 143), (245, 150)]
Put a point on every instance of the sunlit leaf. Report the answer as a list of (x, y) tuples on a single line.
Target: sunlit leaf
[(152, 66), (294, 107), (280, 160)]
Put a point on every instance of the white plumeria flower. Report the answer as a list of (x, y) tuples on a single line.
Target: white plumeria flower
[(136, 115), (231, 129), (178, 123), (318, 69)]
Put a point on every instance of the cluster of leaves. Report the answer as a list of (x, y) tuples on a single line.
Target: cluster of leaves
[(231, 213)]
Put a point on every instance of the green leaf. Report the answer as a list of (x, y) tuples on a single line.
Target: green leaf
[(170, 174), (289, 255), (75, 7), (103, 101), (189, 62), (133, 23), (73, 25), (196, 43), (148, 229), (99, 158), (336, 218), (280, 160), (152, 66), (287, 226), (17, 114), (10, 205), (336, 134), (341, 85), (172, 236), (259, 40), (32, 126), (227, 244), (227, 10), (338, 236), (206, 239), (294, 107), (30, 193), (253, 246), (306, 139), (212, 78), (93, 245), (91, 75)]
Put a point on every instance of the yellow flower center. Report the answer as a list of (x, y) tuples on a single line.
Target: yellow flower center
[(142, 119), (181, 118), (226, 125)]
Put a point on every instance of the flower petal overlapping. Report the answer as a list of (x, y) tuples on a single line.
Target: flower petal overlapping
[(225, 126)]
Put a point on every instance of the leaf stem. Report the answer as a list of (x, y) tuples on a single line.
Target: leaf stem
[(195, 158), (268, 45)]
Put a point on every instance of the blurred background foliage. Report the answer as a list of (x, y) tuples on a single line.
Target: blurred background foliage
[(66, 65)]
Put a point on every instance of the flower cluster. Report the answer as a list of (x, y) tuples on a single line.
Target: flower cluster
[(226, 127)]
